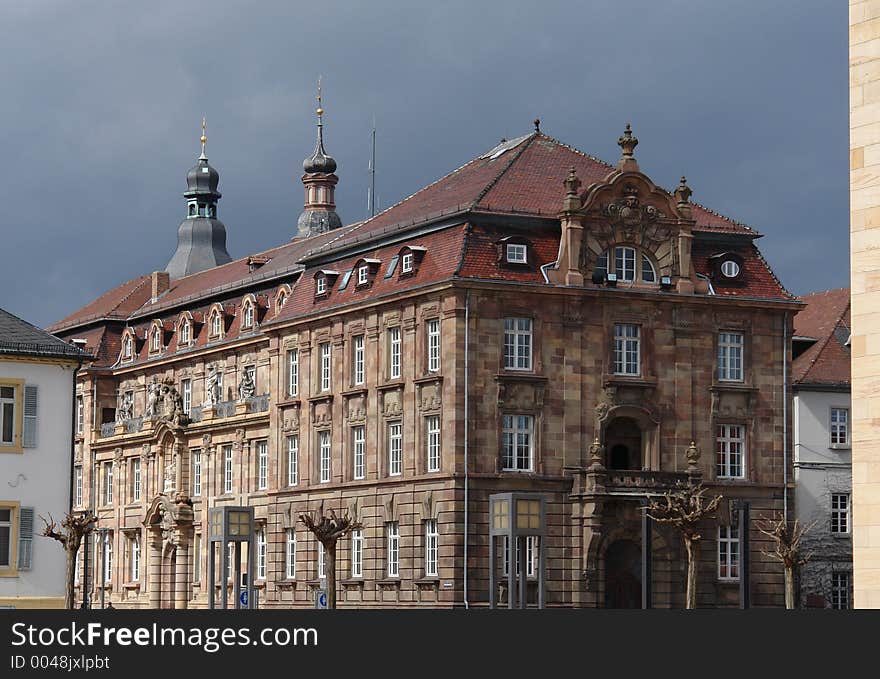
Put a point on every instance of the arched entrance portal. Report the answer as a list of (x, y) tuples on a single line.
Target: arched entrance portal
[(623, 441), (169, 529), (623, 584)]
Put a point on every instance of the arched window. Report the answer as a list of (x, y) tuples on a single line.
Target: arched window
[(627, 263), (193, 209), (216, 324), (127, 347), (248, 315), (155, 339), (185, 332)]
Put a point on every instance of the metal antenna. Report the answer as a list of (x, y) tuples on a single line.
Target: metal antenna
[(371, 191)]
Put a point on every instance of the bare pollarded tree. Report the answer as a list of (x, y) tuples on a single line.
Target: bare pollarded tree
[(74, 527), (787, 550), (686, 509), (329, 530)]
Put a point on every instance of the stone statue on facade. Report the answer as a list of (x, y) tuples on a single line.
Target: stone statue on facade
[(171, 404), (213, 385), (126, 408), (152, 399), (170, 474), (246, 388)]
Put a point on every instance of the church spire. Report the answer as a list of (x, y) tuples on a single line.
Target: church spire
[(201, 237), (319, 180)]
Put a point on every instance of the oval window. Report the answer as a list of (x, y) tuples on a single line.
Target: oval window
[(730, 268)]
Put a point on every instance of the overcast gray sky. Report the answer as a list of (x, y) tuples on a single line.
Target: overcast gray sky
[(101, 104)]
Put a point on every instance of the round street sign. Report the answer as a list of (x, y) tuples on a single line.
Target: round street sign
[(243, 597)]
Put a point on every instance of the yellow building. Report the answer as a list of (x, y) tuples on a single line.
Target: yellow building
[(864, 50)]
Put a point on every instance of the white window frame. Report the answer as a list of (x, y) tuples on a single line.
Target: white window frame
[(227, 469), (432, 442), (627, 349), (392, 553), (517, 433), (324, 457), (357, 553), (358, 372), (531, 556), (326, 365), (293, 372), (729, 268), (247, 320), (358, 452), (320, 285), (321, 561), (186, 395), (625, 263), (406, 263), (134, 559), (838, 422), (730, 356), (216, 324), (518, 346), (432, 328), (184, 333), (394, 353), (841, 506), (517, 253), (155, 339), (432, 542), (728, 553), (77, 486), (107, 555), (290, 554), (80, 414), (730, 451), (262, 465), (395, 448), (196, 472), (135, 479), (261, 554), (293, 460), (363, 274), (127, 348)]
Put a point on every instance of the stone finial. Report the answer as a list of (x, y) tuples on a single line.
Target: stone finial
[(537, 123), (693, 456), (627, 142), (572, 202), (683, 192), (596, 453)]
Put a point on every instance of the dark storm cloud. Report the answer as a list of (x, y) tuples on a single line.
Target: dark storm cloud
[(100, 106)]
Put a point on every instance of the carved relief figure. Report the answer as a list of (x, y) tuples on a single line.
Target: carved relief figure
[(152, 399), (246, 387), (213, 387), (126, 408)]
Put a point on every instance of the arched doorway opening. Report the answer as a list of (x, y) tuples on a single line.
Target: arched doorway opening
[(623, 570), (623, 443), (167, 576)]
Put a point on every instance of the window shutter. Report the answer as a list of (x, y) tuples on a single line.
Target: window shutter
[(29, 435), (25, 538)]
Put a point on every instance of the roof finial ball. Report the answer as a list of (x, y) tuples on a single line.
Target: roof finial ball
[(627, 142), (537, 123)]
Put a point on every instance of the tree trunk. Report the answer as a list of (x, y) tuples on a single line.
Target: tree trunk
[(691, 591), (789, 588), (70, 585), (330, 567)]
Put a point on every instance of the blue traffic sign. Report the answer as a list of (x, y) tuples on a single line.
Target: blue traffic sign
[(243, 597), (321, 599)]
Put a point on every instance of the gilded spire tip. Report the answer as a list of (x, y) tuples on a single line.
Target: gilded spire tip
[(204, 138)]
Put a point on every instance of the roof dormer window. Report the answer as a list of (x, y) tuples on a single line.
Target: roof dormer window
[(411, 257), (248, 315), (363, 274), (406, 263), (729, 268), (517, 253), (127, 347), (185, 333), (626, 264), (320, 285), (155, 340), (216, 323)]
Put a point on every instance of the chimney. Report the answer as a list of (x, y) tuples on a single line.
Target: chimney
[(160, 281)]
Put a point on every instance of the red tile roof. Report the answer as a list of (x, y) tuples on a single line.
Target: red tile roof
[(758, 278), (118, 303), (524, 179), (826, 319)]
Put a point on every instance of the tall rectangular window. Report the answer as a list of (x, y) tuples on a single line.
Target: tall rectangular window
[(531, 556), (136, 479), (395, 449), (840, 590), (324, 456), (261, 554), (77, 486), (321, 574), (627, 349), (357, 553), (108, 483), (7, 415), (394, 353), (392, 532), (227, 469), (262, 465), (292, 460), (728, 553), (730, 356), (108, 556), (5, 537), (325, 366), (293, 372), (433, 330), (517, 443), (135, 559), (839, 513), (196, 472), (431, 540), (731, 451), (357, 360), (186, 388), (358, 451), (432, 442), (290, 554), (80, 414), (517, 343), (839, 426), (625, 263)]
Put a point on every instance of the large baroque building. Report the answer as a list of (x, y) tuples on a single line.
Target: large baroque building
[(535, 320)]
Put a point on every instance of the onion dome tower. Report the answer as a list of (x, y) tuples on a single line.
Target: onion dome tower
[(319, 211), (201, 237)]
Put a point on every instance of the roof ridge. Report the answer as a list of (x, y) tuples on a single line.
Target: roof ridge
[(574, 149)]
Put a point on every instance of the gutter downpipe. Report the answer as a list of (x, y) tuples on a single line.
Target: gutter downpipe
[(467, 307), (785, 416)]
